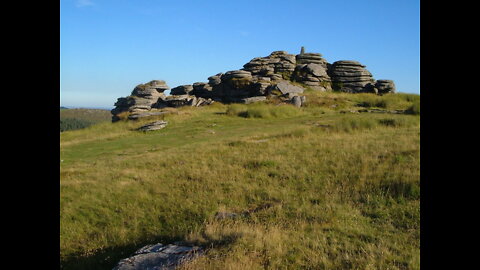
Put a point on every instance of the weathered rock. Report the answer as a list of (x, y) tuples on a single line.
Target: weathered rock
[(151, 88), (201, 89), (313, 75), (159, 257), (352, 77), (296, 101), (215, 79), (261, 76), (253, 99), (153, 126), (181, 90), (236, 74), (182, 100), (138, 115), (385, 86), (236, 84), (276, 62), (142, 98), (285, 87), (311, 58)]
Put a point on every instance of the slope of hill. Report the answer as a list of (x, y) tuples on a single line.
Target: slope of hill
[(332, 185), (71, 119)]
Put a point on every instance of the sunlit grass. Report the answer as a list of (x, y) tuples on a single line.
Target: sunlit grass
[(344, 187)]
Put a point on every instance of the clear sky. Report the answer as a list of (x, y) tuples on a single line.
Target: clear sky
[(107, 47)]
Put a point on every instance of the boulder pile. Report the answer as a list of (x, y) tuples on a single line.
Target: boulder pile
[(279, 74), (142, 98), (148, 96)]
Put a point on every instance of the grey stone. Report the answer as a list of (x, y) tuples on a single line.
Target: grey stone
[(153, 126), (181, 90), (351, 77), (303, 99), (215, 79), (236, 74), (138, 115), (385, 86), (348, 63), (285, 87), (297, 101), (159, 257), (253, 99)]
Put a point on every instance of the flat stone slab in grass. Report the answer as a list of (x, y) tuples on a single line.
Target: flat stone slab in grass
[(153, 126), (159, 257)]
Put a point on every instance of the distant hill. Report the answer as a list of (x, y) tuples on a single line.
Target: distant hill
[(80, 118)]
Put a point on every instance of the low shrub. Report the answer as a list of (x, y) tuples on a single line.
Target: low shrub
[(73, 124), (414, 108), (348, 124), (260, 110), (263, 110), (236, 109)]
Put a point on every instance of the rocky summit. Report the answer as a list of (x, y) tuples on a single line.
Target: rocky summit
[(279, 74)]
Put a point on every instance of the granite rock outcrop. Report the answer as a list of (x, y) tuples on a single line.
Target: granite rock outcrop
[(279, 74)]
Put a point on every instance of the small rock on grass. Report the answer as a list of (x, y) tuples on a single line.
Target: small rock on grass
[(153, 126)]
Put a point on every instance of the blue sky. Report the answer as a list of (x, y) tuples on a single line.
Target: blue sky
[(107, 47)]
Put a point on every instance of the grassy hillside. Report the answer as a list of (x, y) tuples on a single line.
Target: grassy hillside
[(335, 189)]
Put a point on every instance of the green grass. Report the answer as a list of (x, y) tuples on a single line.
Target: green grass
[(71, 119), (92, 115), (345, 186)]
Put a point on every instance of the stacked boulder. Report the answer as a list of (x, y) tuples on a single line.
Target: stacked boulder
[(278, 65), (385, 86), (148, 96), (311, 70), (351, 77), (181, 90), (142, 98), (311, 58), (279, 74), (181, 100)]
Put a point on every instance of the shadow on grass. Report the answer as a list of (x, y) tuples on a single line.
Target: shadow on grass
[(107, 259)]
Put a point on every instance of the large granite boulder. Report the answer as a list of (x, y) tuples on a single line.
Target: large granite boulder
[(237, 84), (311, 58), (142, 98), (313, 75), (201, 89), (351, 77), (284, 88), (181, 90), (385, 86), (278, 62)]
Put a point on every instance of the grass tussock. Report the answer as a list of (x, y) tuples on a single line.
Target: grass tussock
[(263, 110)]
